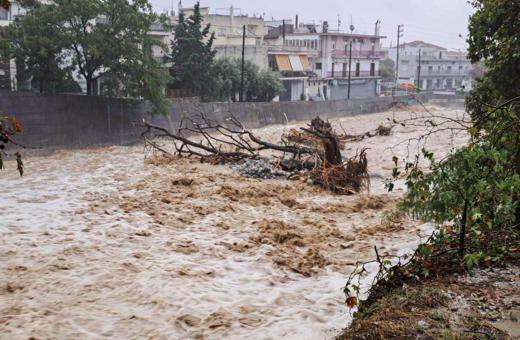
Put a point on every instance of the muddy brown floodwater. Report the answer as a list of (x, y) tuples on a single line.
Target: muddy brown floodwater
[(101, 244)]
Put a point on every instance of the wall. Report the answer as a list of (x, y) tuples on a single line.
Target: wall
[(75, 122), (359, 88)]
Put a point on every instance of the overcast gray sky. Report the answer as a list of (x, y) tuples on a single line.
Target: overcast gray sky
[(437, 22)]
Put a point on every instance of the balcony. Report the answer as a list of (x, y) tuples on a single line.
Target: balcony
[(354, 74), (358, 54), (454, 72), (283, 49), (444, 58)]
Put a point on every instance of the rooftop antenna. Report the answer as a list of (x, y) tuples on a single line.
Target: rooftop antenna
[(339, 23), (352, 28)]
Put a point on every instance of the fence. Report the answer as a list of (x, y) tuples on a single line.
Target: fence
[(354, 74)]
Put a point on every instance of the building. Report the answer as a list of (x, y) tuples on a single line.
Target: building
[(8, 15), (440, 69), (329, 56), (228, 26)]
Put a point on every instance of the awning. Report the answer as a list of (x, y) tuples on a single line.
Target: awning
[(305, 63), (283, 62), (296, 63)]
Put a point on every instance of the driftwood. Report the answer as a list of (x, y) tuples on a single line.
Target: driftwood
[(304, 139), (232, 141), (218, 139)]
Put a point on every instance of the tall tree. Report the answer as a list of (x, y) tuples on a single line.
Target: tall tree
[(110, 38), (477, 188), (192, 53), (493, 37)]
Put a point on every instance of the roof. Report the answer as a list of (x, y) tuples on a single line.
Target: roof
[(420, 43)]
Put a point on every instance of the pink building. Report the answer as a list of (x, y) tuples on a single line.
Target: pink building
[(328, 54)]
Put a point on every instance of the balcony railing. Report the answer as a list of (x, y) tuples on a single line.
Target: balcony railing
[(289, 49), (354, 74), (358, 54), (454, 72), (4, 16), (444, 58)]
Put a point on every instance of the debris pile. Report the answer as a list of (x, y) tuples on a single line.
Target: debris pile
[(265, 168), (314, 155), (257, 168)]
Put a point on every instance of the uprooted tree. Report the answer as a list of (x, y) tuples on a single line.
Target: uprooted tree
[(232, 141)]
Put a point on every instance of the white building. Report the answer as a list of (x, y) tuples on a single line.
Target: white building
[(440, 69)]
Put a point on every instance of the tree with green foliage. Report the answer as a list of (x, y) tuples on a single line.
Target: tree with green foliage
[(493, 37), (192, 54), (108, 38), (473, 193), (259, 85), (387, 62), (477, 188), (38, 56), (226, 79), (387, 68)]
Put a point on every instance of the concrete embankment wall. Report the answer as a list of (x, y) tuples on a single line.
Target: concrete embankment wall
[(65, 122)]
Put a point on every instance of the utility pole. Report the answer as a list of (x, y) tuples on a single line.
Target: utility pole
[(419, 71), (399, 31), (460, 64), (241, 97), (349, 68)]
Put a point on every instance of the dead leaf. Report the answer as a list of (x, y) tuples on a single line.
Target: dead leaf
[(352, 302)]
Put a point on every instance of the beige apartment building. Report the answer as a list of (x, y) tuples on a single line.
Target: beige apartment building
[(228, 26)]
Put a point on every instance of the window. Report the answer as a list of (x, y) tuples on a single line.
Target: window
[(333, 45), (318, 66), (312, 45), (460, 67), (221, 32)]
